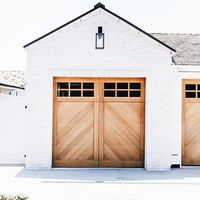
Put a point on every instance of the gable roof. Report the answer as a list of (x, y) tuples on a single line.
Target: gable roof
[(97, 6), (13, 78), (187, 47)]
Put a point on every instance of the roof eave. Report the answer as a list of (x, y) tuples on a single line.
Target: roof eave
[(73, 20), (139, 29), (11, 86)]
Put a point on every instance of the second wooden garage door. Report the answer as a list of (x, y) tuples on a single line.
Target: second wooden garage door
[(98, 122), (191, 123)]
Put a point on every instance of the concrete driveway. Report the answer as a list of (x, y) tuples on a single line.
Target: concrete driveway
[(100, 184)]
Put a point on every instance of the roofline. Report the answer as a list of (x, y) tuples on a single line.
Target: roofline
[(12, 86), (136, 27), (99, 5), (73, 20)]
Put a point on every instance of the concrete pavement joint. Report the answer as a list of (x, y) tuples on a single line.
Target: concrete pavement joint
[(123, 182)]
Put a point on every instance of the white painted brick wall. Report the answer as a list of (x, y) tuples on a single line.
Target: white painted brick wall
[(128, 53), (13, 135)]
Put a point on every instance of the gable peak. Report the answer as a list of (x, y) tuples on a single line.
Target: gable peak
[(99, 5)]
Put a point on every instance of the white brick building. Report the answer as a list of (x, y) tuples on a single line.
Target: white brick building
[(118, 105)]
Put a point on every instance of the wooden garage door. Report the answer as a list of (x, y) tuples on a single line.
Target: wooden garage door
[(191, 123), (75, 122), (122, 132), (98, 122)]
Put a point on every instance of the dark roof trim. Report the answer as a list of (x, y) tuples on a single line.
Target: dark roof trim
[(99, 5), (139, 29), (12, 86), (43, 36)]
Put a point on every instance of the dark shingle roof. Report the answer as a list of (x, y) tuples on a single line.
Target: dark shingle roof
[(187, 47)]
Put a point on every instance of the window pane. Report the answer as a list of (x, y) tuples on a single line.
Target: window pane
[(75, 93), (99, 40), (122, 93), (198, 87), (135, 85), (135, 93), (88, 85), (190, 94), (88, 93), (75, 85), (109, 85), (109, 93), (62, 93), (122, 85), (198, 94), (190, 87), (63, 85)]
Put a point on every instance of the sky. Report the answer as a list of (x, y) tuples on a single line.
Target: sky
[(22, 21)]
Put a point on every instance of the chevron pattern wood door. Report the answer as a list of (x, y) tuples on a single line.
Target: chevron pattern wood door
[(191, 123), (75, 131), (122, 138), (95, 129), (75, 134)]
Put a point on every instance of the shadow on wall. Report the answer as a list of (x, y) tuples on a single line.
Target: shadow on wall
[(109, 175)]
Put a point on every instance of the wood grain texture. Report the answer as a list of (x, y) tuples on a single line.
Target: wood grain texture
[(75, 131), (122, 133), (98, 131), (190, 128), (192, 134)]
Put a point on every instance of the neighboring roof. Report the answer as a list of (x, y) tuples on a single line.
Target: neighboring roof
[(187, 47), (99, 5), (14, 78)]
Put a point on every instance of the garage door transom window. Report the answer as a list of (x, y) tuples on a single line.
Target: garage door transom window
[(122, 89), (192, 90), (75, 89)]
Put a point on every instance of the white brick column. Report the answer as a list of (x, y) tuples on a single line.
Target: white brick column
[(160, 129)]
